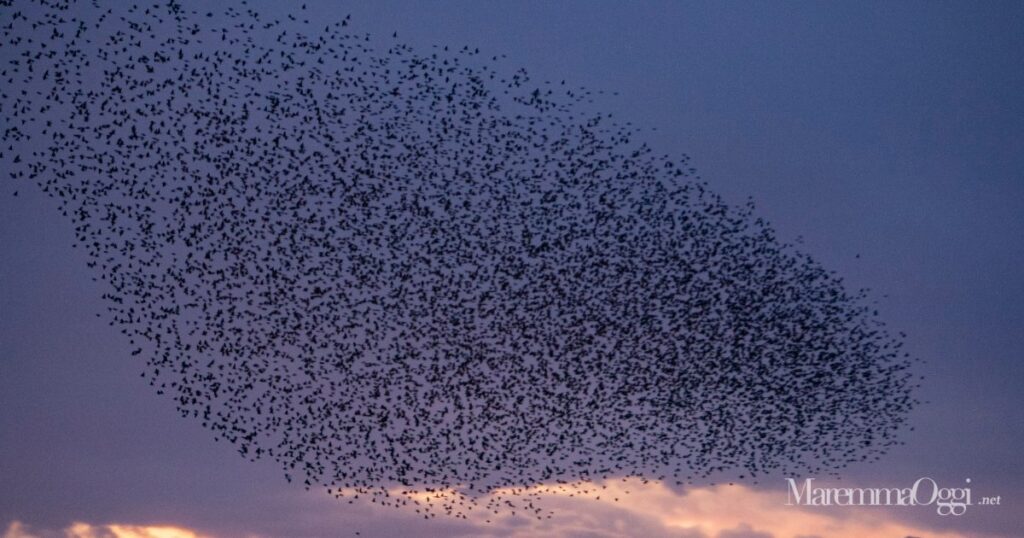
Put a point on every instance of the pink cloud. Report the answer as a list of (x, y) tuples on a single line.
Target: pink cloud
[(625, 508), (85, 530)]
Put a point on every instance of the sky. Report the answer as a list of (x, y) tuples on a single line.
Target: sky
[(886, 137)]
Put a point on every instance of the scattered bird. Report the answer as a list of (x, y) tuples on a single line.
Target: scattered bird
[(421, 277)]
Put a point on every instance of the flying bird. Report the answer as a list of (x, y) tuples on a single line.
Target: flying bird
[(418, 277)]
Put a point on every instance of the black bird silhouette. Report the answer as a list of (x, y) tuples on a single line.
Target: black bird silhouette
[(415, 277)]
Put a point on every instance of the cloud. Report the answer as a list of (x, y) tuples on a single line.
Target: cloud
[(17, 529), (625, 508), (631, 508), (744, 531)]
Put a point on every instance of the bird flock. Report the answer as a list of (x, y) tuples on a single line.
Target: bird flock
[(419, 276)]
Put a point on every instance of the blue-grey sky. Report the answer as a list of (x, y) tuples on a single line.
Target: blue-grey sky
[(887, 136)]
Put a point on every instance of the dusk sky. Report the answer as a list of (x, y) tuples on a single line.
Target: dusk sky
[(885, 139)]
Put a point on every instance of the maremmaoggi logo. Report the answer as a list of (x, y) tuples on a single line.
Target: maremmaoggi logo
[(924, 492)]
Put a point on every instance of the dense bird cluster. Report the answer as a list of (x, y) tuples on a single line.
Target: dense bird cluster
[(416, 277)]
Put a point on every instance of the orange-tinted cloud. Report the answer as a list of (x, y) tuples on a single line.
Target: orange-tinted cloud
[(632, 509), (625, 509), (85, 530)]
